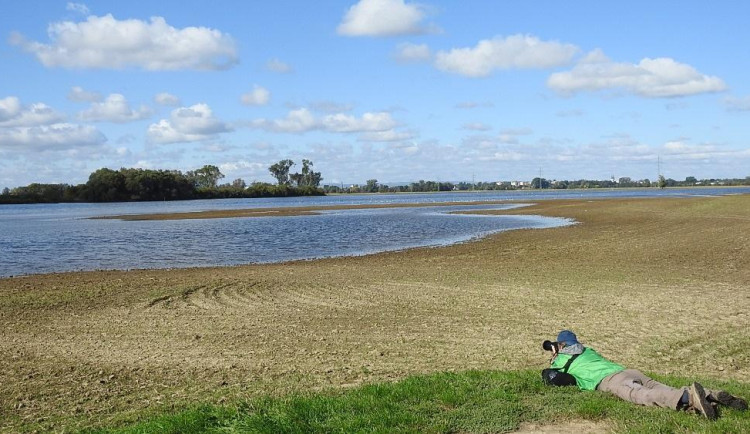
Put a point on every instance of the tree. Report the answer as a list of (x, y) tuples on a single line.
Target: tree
[(106, 185), (536, 181), (309, 178), (207, 176), (691, 180), (239, 183), (372, 186), (280, 171), (6, 191), (662, 182)]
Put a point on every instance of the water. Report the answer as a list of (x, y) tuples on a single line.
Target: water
[(44, 238)]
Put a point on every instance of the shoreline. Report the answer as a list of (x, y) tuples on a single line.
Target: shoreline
[(85, 348)]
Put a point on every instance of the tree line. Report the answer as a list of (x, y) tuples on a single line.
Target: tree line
[(373, 186), (124, 185)]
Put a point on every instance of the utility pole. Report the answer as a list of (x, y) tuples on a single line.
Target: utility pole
[(658, 166)]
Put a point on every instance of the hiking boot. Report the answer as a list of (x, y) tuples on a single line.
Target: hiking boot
[(725, 398), (698, 402)]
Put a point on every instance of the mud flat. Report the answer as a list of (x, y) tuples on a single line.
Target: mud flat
[(658, 284)]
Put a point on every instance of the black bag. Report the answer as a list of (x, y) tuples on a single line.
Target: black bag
[(554, 377), (559, 377)]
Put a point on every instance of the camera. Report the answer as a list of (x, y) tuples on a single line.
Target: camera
[(551, 346)]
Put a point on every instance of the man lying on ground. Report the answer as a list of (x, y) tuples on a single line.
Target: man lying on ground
[(591, 371)]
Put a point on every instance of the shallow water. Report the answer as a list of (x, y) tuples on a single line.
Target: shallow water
[(46, 238)]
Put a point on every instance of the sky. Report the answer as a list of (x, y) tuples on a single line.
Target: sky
[(392, 90)]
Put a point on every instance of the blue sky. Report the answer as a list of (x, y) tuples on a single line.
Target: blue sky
[(386, 89)]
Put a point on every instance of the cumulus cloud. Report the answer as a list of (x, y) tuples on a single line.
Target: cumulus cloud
[(165, 98), (187, 124), (77, 7), (258, 96), (512, 52), (60, 136), (115, 108), (369, 122), (383, 18), (302, 120), (78, 94), (296, 121), (407, 52), (276, 65), (15, 114), (654, 78), (108, 43)]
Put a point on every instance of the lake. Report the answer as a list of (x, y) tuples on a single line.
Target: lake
[(43, 238)]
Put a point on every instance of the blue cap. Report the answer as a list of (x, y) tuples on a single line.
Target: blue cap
[(567, 337)]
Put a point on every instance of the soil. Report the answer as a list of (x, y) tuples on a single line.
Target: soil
[(662, 285)]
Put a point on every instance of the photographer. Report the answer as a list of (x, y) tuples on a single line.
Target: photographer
[(591, 371)]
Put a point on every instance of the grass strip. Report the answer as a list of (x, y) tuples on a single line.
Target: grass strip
[(471, 401)]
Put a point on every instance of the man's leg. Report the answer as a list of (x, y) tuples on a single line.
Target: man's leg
[(629, 385)]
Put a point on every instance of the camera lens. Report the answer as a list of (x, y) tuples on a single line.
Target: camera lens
[(547, 345)]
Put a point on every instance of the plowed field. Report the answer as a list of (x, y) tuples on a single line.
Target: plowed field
[(662, 285)]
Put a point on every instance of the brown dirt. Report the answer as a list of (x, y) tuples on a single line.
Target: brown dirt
[(657, 284), (577, 427), (274, 212)]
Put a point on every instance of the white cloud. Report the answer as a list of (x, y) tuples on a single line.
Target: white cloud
[(296, 121), (107, 43), (512, 52), (242, 166), (115, 108), (60, 136), (737, 104), (302, 120), (78, 94), (369, 122), (77, 7), (655, 78), (14, 114), (408, 52), (277, 65), (258, 96), (187, 124), (383, 18), (165, 98)]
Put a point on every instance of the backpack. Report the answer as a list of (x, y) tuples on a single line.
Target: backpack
[(556, 377), (559, 377)]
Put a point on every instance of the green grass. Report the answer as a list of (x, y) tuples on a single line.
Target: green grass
[(473, 401)]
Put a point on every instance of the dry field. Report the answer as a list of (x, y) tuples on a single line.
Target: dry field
[(658, 284)]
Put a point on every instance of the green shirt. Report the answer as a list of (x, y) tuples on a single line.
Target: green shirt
[(589, 368)]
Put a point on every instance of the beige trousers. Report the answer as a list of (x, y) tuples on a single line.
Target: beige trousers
[(631, 385)]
